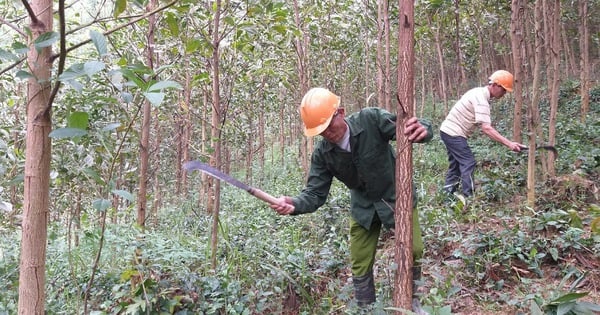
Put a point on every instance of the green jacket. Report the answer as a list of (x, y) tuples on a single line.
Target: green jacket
[(368, 171)]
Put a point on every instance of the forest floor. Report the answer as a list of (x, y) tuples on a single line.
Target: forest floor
[(511, 286)]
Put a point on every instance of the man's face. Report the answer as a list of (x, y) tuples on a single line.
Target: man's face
[(336, 129), (497, 91)]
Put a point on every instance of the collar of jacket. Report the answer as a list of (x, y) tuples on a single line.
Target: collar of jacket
[(355, 130)]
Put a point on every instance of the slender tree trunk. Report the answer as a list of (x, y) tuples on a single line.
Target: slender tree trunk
[(216, 125), (156, 182), (379, 47), (570, 64), (440, 54), (404, 164), (584, 52), (517, 18), (36, 203), (460, 70), (533, 112), (146, 124), (184, 131), (554, 77), (261, 143)]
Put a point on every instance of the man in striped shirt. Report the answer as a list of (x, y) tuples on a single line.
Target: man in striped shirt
[(470, 112)]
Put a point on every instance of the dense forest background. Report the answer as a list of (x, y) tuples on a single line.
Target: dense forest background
[(102, 101)]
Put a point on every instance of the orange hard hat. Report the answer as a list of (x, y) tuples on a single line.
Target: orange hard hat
[(503, 78), (316, 110)]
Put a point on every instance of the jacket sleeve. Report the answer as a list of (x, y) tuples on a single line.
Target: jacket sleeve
[(427, 124), (317, 187)]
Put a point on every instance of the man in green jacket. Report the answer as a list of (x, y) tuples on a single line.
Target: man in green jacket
[(356, 150)]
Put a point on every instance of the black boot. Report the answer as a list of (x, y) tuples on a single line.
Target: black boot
[(364, 289)]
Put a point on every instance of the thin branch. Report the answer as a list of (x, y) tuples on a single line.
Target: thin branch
[(11, 25), (32, 16), (62, 55)]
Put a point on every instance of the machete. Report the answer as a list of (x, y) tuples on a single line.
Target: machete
[(203, 167), (545, 147)]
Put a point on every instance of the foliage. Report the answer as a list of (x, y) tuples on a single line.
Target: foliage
[(267, 262)]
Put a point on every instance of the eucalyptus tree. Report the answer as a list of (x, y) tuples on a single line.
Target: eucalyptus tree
[(37, 159), (404, 171), (584, 51)]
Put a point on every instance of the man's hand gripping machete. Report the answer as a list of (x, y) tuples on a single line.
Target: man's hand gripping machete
[(199, 166)]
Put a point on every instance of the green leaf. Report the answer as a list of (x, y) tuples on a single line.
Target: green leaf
[(127, 97), (20, 48), (192, 45), (120, 6), (155, 98), (78, 120), (7, 55), (45, 40), (535, 309), (564, 308), (158, 86), (568, 297), (124, 194), (99, 41), (101, 204), (173, 24), (23, 75), (62, 133), (92, 67)]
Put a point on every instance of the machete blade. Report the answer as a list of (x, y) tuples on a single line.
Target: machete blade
[(203, 167)]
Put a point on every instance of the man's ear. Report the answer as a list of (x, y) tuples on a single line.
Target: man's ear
[(342, 111)]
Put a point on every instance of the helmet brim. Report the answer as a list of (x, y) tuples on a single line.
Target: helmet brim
[(311, 132)]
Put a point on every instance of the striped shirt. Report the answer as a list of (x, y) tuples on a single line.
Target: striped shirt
[(472, 109)]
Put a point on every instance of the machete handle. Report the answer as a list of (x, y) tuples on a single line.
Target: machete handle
[(263, 196)]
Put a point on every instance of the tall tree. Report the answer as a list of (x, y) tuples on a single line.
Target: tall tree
[(382, 63), (36, 203), (553, 50), (518, 8), (303, 68), (404, 165), (584, 53), (216, 122), (533, 119), (146, 125)]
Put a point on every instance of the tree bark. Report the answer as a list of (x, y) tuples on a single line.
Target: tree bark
[(216, 128), (532, 109), (516, 27), (584, 47), (36, 203), (442, 65), (146, 121), (554, 77), (404, 165)]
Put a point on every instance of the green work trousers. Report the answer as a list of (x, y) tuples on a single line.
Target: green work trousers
[(363, 244)]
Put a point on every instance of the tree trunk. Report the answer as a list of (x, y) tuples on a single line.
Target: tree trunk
[(146, 120), (460, 70), (532, 110), (584, 46), (216, 128), (517, 17), (440, 55), (156, 182), (306, 145), (404, 166), (36, 203), (554, 77)]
